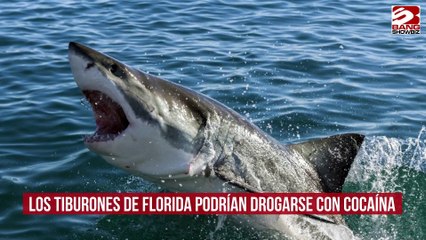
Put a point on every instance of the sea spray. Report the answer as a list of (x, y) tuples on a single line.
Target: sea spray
[(391, 165)]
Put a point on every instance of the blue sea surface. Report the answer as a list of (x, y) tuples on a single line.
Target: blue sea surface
[(299, 70)]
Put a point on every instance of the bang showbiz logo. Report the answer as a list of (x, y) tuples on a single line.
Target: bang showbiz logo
[(405, 19)]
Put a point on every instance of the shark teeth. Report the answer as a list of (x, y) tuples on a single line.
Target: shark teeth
[(100, 137)]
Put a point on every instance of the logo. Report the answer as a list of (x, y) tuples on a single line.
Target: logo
[(405, 19)]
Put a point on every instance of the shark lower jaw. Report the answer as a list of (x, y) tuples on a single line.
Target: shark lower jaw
[(111, 120)]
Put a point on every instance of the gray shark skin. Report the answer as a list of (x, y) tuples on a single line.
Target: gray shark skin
[(185, 141)]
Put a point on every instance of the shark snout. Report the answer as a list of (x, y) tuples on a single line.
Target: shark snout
[(82, 51)]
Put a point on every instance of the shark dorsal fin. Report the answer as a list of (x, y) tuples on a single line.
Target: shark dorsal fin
[(332, 158)]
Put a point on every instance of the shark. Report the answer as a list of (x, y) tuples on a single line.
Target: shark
[(185, 141)]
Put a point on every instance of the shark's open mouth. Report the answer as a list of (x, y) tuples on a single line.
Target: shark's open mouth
[(110, 118)]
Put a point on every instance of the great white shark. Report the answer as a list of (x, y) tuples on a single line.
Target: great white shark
[(185, 141)]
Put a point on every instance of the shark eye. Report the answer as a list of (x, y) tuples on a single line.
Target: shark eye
[(117, 70), (114, 69), (89, 65)]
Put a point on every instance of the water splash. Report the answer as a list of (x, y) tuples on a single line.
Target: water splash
[(416, 151), (379, 156), (391, 165)]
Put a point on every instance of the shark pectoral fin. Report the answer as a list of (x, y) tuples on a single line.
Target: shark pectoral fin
[(332, 158)]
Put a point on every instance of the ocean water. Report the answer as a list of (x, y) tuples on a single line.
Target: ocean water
[(299, 70)]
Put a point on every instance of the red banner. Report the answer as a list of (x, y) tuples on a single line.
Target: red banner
[(212, 203)]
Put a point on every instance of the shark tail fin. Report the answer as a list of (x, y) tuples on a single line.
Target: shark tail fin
[(332, 158)]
